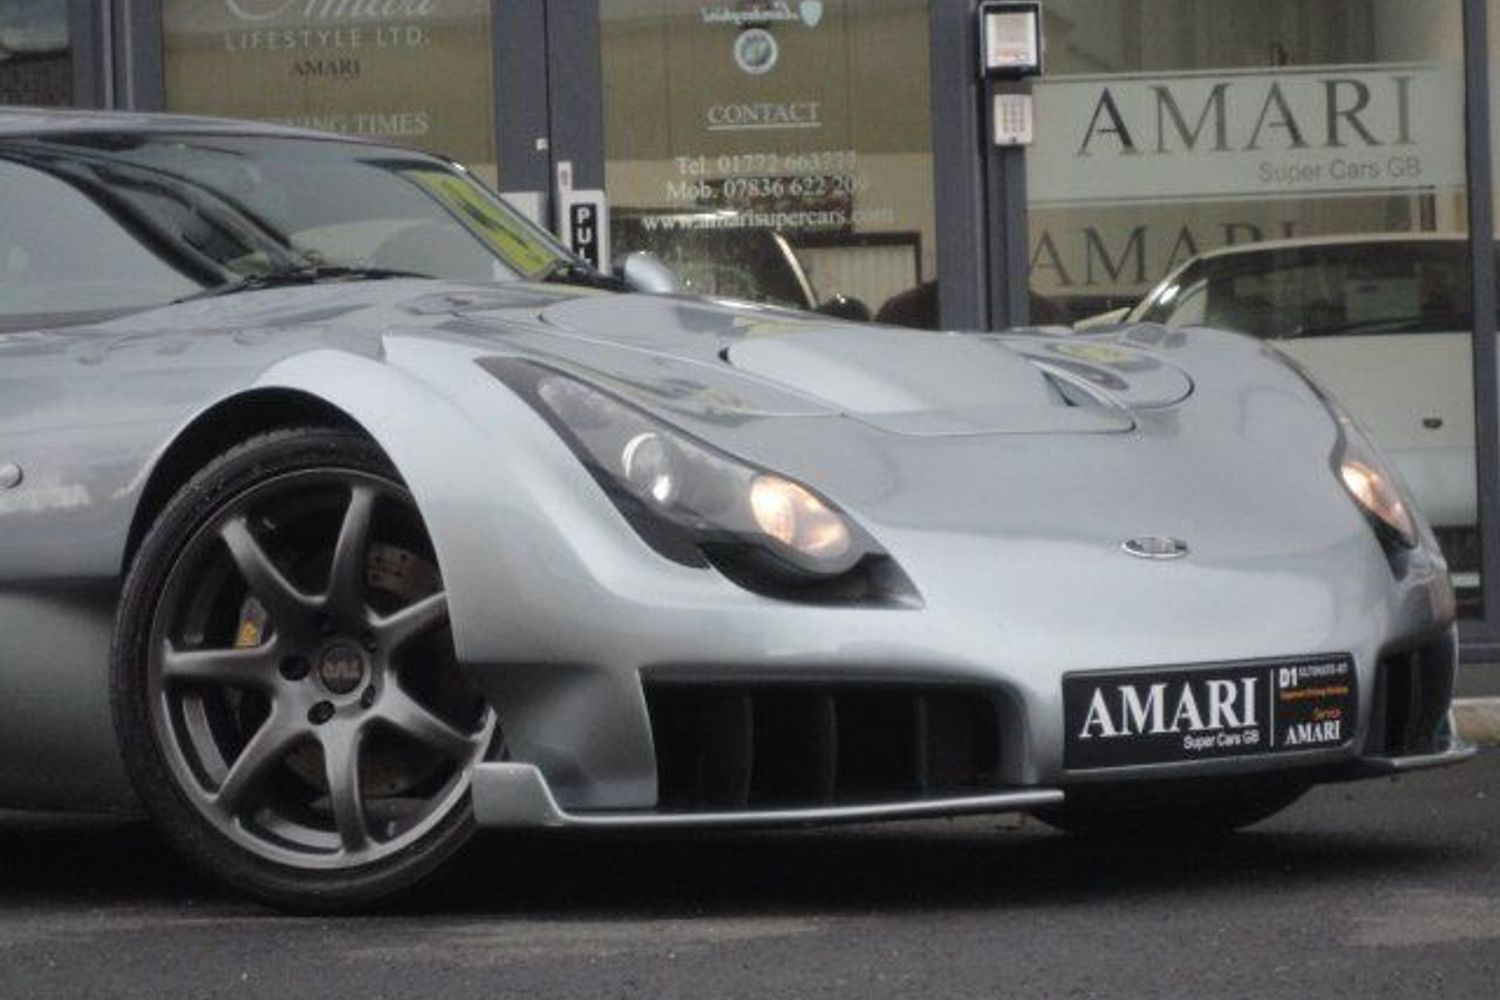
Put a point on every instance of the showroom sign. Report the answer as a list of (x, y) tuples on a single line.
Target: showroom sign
[(1346, 130), (331, 10), (416, 72)]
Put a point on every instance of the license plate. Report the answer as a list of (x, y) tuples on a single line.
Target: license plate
[(1169, 715)]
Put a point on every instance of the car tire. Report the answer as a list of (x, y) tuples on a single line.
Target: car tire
[(1170, 812), (283, 682)]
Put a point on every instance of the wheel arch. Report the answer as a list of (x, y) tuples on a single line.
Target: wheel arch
[(216, 429), (500, 494)]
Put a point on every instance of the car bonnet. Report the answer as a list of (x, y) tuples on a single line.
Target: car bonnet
[(702, 358)]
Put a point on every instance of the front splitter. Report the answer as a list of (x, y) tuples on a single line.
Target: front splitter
[(516, 796)]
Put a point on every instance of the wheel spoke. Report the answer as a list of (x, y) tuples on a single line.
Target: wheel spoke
[(271, 742), (341, 750), (398, 629), (420, 723), (281, 599), (252, 667), (285, 563), (346, 580)]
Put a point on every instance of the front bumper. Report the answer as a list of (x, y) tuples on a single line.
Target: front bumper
[(729, 752), (517, 796)]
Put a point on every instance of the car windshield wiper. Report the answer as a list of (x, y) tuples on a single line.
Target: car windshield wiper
[(310, 274), (565, 271)]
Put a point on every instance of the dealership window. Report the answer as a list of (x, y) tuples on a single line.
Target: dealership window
[(36, 65), (1295, 168), (413, 72), (775, 152)]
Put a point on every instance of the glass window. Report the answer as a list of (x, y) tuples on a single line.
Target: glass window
[(414, 72), (36, 65), (775, 152), (1368, 287), (116, 221), (61, 252), (1290, 169)]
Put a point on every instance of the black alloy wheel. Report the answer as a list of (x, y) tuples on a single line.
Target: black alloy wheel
[(285, 688)]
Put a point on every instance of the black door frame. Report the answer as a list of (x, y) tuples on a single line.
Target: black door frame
[(1480, 640)]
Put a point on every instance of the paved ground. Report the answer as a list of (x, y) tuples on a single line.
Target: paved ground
[(1385, 889)]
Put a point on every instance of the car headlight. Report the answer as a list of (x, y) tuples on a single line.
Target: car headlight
[(688, 500), (1366, 476), (1373, 485)]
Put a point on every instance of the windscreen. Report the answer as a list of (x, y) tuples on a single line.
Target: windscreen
[(89, 221)]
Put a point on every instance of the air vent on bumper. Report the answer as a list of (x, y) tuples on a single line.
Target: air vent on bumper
[(790, 746)]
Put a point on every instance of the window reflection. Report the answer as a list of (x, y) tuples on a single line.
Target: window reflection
[(780, 153), (1288, 169), (138, 220), (415, 73)]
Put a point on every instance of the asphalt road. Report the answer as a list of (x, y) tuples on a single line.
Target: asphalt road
[(1384, 889)]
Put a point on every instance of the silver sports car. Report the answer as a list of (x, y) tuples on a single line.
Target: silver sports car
[(343, 512)]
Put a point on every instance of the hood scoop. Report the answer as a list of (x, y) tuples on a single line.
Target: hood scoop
[(910, 382)]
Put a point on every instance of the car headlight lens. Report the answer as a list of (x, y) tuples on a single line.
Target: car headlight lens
[(1370, 480), (685, 497), (794, 517), (650, 468), (1366, 476), (1373, 491)]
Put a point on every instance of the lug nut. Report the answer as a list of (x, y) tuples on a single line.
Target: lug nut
[(295, 668), (320, 713), (368, 698)]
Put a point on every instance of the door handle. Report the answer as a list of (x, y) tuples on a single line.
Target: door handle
[(1432, 423)]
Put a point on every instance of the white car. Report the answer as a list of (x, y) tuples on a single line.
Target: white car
[(1382, 321)]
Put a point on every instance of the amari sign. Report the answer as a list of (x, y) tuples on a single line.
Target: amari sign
[(332, 10), (416, 72), (1352, 130)]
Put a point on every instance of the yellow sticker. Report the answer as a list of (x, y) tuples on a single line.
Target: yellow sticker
[(1100, 354), (509, 238)]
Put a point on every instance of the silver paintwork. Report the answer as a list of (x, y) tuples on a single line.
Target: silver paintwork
[(1003, 498)]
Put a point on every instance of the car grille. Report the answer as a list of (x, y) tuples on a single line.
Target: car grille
[(1413, 690), (786, 746)]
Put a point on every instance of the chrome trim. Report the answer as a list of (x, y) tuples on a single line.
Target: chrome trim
[(517, 796)]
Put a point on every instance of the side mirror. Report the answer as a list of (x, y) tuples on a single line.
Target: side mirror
[(845, 307), (644, 272)]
